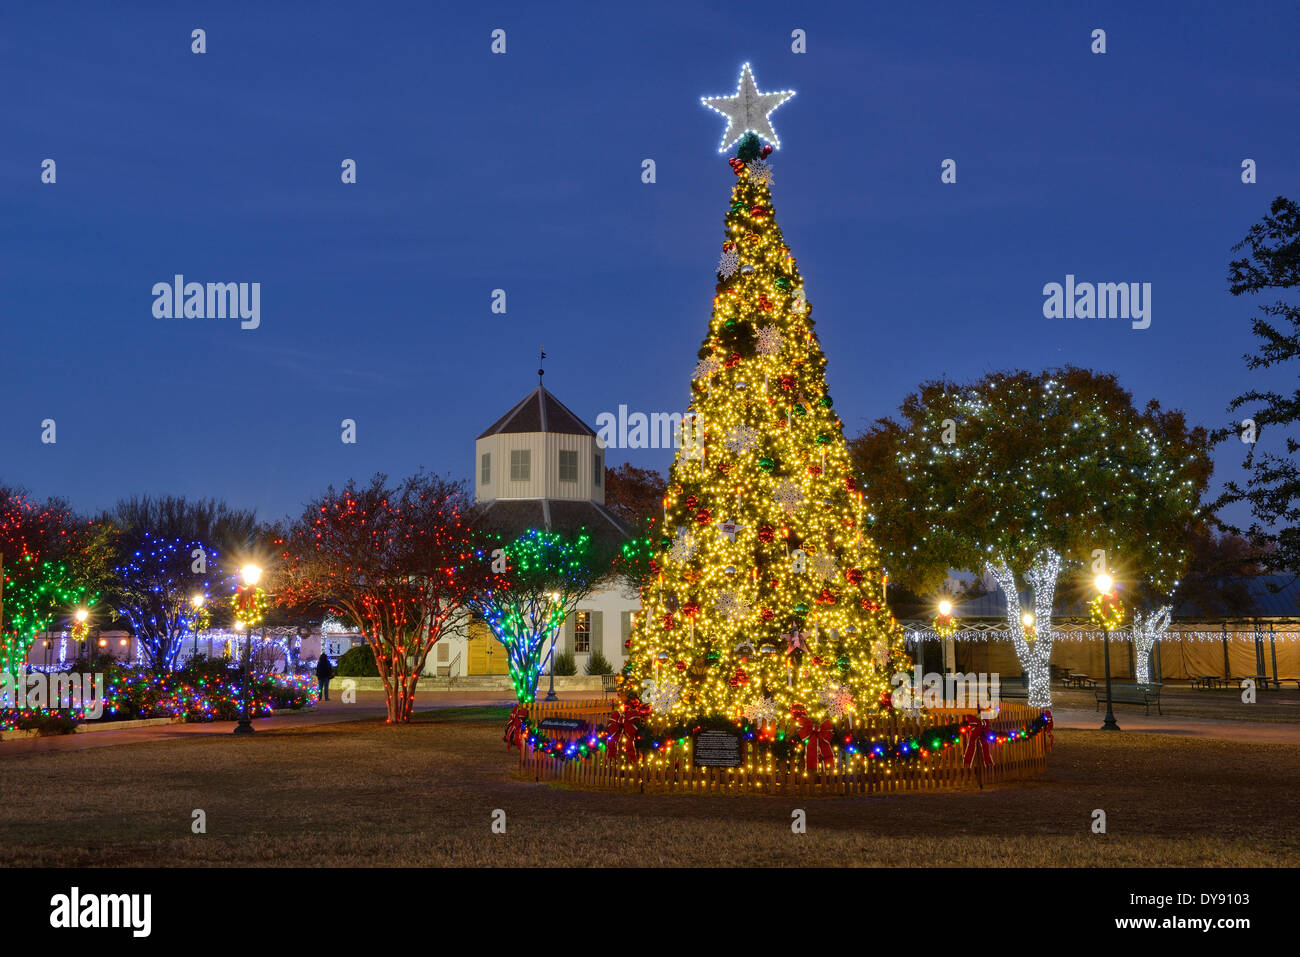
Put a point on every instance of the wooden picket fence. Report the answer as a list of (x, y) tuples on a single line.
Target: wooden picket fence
[(942, 770)]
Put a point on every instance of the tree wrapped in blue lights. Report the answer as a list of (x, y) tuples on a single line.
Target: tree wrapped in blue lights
[(546, 574), (154, 585)]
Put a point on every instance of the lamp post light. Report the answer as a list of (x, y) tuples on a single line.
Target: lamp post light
[(250, 615), (1104, 586)]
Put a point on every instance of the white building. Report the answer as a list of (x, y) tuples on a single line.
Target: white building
[(540, 466)]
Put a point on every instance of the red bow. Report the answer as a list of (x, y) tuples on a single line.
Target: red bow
[(1051, 738), (977, 731), (818, 738), (622, 724), (515, 727)]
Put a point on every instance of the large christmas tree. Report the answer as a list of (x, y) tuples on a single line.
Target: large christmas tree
[(768, 593)]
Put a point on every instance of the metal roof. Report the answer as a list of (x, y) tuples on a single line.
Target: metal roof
[(539, 411)]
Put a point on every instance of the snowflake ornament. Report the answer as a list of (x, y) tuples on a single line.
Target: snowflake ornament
[(683, 549), (823, 565), (769, 341), (788, 495), (729, 263), (663, 695), (762, 711), (837, 699), (731, 605), (705, 368), (760, 172), (880, 651), (742, 438)]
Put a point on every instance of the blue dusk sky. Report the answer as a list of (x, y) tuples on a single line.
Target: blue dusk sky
[(522, 172)]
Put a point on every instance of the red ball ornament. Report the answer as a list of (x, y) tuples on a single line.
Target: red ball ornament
[(854, 575), (736, 164), (733, 360), (766, 533), (692, 503), (690, 609), (814, 470), (787, 382), (766, 151), (669, 622), (870, 605), (703, 516), (768, 614), (681, 666), (827, 597), (850, 484)]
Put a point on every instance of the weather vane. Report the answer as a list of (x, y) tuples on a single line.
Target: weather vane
[(540, 371), (749, 111)]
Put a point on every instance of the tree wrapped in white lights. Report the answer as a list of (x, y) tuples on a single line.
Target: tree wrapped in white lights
[(1023, 475)]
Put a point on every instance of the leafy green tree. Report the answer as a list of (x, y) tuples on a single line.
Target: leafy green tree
[(1271, 424), (1021, 475)]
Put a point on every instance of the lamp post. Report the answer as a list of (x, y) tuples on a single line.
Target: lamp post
[(81, 630), (196, 603), (248, 610), (1102, 616), (550, 695)]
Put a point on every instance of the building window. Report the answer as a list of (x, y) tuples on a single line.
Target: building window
[(568, 466), (581, 631), (597, 473), (485, 474), (519, 465)]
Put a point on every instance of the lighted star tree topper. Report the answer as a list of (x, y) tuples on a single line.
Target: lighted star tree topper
[(767, 594)]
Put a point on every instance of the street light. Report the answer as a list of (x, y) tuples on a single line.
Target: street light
[(1104, 584), (945, 608), (196, 603), (249, 610)]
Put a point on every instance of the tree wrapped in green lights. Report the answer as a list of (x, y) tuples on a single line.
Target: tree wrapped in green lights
[(540, 578), (1020, 475), (48, 562)]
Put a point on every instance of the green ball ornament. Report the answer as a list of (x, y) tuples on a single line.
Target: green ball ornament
[(842, 662), (822, 438), (766, 464), (826, 402), (801, 609)]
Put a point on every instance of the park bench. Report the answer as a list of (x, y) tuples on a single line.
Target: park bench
[(1131, 693)]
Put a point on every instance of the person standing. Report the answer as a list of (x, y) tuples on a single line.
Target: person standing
[(324, 672)]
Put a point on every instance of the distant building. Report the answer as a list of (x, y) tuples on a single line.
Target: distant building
[(540, 466)]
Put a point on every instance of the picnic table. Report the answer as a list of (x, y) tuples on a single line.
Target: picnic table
[(1078, 680), (1208, 681), (1262, 681)]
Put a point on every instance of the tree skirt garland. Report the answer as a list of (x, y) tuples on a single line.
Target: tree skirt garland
[(776, 742)]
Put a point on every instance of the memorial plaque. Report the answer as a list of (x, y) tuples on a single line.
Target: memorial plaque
[(562, 724), (718, 749)]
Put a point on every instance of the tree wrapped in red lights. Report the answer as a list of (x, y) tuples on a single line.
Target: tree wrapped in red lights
[(397, 562)]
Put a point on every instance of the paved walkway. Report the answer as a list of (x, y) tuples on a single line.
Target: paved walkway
[(370, 704), (1254, 731)]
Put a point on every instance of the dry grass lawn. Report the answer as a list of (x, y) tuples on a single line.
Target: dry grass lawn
[(366, 794)]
